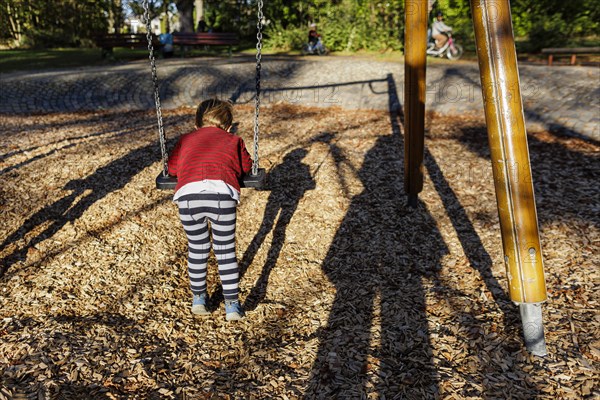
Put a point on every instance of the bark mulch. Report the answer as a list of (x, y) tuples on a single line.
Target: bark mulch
[(350, 294)]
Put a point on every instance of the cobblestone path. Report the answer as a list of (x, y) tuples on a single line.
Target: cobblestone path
[(560, 97)]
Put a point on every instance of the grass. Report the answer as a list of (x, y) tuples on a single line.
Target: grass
[(27, 60)]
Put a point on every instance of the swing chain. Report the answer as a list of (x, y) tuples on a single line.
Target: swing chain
[(259, 35), (161, 131)]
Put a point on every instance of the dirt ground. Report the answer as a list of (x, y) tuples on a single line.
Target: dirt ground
[(349, 293)]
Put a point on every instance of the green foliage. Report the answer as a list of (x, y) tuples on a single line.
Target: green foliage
[(292, 38), (155, 7), (52, 24), (352, 25), (457, 14), (221, 16), (549, 23), (346, 25), (549, 31)]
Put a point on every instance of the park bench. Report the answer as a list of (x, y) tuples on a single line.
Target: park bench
[(129, 40), (564, 51), (185, 40)]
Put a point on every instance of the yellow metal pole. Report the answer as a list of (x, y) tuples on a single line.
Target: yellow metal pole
[(510, 162), (415, 46)]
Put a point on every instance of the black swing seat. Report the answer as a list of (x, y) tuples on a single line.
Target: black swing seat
[(255, 181), (166, 182), (248, 181)]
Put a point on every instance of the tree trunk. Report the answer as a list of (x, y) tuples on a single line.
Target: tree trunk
[(199, 10), (118, 15), (186, 15), (114, 16), (167, 20), (15, 24), (111, 19)]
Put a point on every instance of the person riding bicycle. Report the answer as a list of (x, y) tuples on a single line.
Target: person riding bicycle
[(439, 30), (314, 39)]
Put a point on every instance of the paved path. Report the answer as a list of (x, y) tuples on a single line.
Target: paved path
[(559, 97)]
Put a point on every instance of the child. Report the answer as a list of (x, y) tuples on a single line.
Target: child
[(209, 163), (439, 30), (314, 39)]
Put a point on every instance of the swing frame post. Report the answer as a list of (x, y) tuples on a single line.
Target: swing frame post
[(511, 165), (415, 47)]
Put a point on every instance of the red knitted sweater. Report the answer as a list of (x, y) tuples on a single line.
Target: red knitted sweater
[(209, 153)]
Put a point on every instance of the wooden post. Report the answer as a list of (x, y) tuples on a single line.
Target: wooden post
[(415, 47), (510, 163)]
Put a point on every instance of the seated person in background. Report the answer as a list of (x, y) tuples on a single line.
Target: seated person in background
[(166, 39), (439, 29), (201, 26)]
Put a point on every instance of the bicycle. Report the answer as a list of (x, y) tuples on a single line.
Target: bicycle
[(451, 50), (318, 49)]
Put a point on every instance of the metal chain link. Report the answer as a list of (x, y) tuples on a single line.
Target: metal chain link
[(161, 131), (259, 26)]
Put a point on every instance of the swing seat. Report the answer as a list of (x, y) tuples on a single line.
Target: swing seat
[(248, 181), (255, 181), (166, 182)]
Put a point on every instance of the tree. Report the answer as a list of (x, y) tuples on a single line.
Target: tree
[(155, 8), (13, 16), (115, 16), (345, 24), (52, 24), (186, 14), (199, 7), (185, 10)]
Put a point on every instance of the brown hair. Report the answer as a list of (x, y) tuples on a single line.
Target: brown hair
[(214, 112)]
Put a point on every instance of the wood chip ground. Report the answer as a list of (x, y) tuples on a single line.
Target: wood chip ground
[(349, 293)]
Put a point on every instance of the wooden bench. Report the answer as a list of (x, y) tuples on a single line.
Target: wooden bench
[(185, 40), (138, 40), (564, 51), (129, 40)]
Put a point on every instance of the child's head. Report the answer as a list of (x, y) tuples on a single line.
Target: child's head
[(214, 112)]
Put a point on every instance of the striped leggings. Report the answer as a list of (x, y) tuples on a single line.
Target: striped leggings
[(220, 209)]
